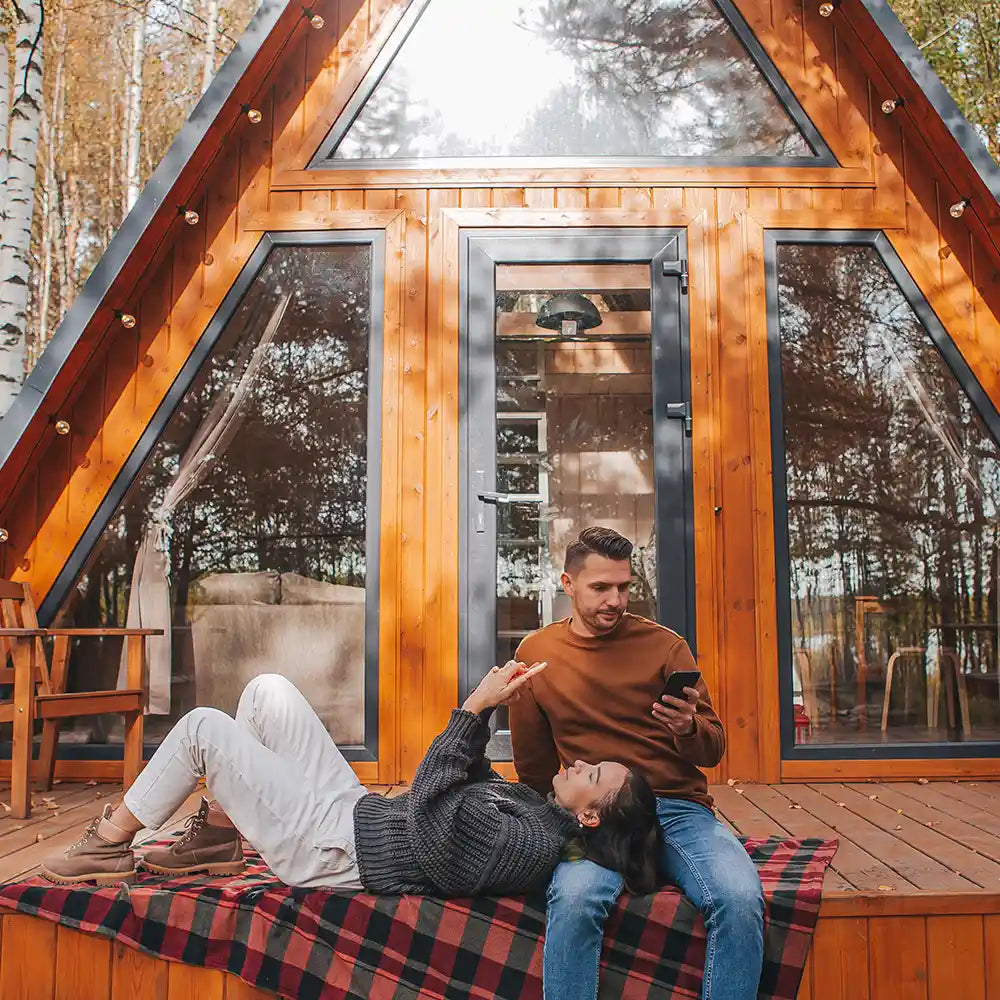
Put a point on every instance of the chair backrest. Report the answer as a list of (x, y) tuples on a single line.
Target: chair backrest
[(17, 610)]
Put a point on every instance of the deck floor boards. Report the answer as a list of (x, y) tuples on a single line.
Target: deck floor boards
[(899, 838)]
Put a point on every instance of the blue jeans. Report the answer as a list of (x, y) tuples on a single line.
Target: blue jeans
[(712, 869)]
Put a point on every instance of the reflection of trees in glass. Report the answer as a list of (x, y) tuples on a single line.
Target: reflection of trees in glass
[(893, 480), (593, 78), (666, 73), (288, 494)]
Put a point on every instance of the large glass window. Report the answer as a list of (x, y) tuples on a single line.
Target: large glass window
[(570, 78), (893, 482), (246, 533)]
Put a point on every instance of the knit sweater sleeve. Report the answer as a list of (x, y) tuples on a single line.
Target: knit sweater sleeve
[(455, 758)]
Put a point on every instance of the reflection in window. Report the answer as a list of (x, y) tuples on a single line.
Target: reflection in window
[(574, 426), (254, 502), (893, 484), (572, 78)]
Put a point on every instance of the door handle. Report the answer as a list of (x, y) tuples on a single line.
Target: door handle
[(497, 498)]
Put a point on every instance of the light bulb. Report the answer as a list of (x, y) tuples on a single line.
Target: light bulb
[(127, 320), (958, 209), (4, 535), (891, 104), (191, 217), (254, 115), (62, 427), (316, 20), (827, 9)]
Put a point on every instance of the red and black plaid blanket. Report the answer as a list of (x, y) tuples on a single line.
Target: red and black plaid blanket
[(306, 943)]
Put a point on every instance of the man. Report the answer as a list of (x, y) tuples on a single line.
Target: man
[(600, 698)]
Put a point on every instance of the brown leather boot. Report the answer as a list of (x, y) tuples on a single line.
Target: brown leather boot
[(92, 859), (215, 850)]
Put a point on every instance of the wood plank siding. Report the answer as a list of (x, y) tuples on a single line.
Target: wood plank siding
[(887, 179)]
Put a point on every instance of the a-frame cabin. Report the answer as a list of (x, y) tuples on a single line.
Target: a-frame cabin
[(425, 286)]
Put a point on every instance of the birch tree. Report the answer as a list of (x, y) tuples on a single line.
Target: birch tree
[(133, 107), (19, 196), (211, 43)]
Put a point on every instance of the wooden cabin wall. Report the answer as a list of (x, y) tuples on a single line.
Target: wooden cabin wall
[(888, 181), (857, 953)]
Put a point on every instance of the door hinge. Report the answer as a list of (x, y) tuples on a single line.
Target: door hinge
[(680, 411), (677, 269)]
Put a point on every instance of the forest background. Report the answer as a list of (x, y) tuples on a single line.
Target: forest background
[(94, 91)]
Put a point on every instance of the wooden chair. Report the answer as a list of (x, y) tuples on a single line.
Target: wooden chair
[(40, 691), (945, 656)]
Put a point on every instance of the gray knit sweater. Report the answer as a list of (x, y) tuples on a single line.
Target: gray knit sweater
[(461, 830)]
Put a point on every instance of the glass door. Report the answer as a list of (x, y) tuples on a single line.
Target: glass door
[(577, 415)]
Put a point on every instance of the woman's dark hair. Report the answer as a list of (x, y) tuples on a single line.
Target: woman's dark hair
[(627, 840)]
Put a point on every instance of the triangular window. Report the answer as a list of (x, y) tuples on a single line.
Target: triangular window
[(652, 80)]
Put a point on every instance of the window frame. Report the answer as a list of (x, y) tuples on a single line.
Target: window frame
[(375, 240), (961, 371), (320, 159)]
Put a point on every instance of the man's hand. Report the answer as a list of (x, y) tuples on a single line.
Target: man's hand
[(677, 714), (500, 685)]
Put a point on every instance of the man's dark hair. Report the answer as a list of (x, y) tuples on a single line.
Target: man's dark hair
[(596, 541), (628, 838)]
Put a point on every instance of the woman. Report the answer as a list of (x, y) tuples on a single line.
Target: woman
[(279, 779)]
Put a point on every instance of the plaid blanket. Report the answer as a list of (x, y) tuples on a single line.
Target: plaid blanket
[(305, 943)]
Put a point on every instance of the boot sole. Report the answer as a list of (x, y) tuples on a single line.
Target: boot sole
[(101, 878), (221, 868)]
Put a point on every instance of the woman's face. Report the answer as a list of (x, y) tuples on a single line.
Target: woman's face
[(583, 788)]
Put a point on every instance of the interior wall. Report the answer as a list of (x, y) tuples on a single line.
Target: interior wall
[(887, 182)]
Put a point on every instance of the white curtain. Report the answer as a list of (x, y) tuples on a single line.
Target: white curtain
[(149, 598)]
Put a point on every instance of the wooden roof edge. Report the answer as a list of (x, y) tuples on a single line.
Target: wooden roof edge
[(967, 140), (154, 211)]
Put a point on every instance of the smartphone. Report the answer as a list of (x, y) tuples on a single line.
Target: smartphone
[(679, 680)]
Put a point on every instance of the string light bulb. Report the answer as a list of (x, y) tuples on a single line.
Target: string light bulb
[(958, 209), (254, 115), (62, 427), (890, 105), (826, 9), (316, 20), (191, 217), (127, 320), (4, 535)]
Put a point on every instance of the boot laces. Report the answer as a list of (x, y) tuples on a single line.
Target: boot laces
[(88, 833), (192, 827)]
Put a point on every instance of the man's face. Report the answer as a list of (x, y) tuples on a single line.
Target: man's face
[(599, 591)]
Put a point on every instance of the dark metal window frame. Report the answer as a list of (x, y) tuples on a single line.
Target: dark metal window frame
[(980, 402), (321, 159), (134, 464), (481, 250)]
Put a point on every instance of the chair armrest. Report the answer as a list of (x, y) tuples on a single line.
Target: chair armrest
[(21, 633), (102, 631)]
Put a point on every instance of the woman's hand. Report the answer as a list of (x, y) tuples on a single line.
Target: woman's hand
[(500, 685)]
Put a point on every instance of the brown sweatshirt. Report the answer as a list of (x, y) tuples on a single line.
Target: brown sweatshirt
[(594, 702)]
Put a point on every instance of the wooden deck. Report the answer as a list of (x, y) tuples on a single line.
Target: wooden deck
[(911, 905)]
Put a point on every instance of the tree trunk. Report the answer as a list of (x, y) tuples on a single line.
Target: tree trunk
[(19, 197), (52, 209), (5, 89), (133, 109), (211, 42)]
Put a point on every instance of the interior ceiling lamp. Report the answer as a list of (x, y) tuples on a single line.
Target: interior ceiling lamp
[(568, 312), (958, 209), (826, 9), (316, 20), (891, 104)]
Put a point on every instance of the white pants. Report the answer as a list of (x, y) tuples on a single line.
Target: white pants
[(277, 774)]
